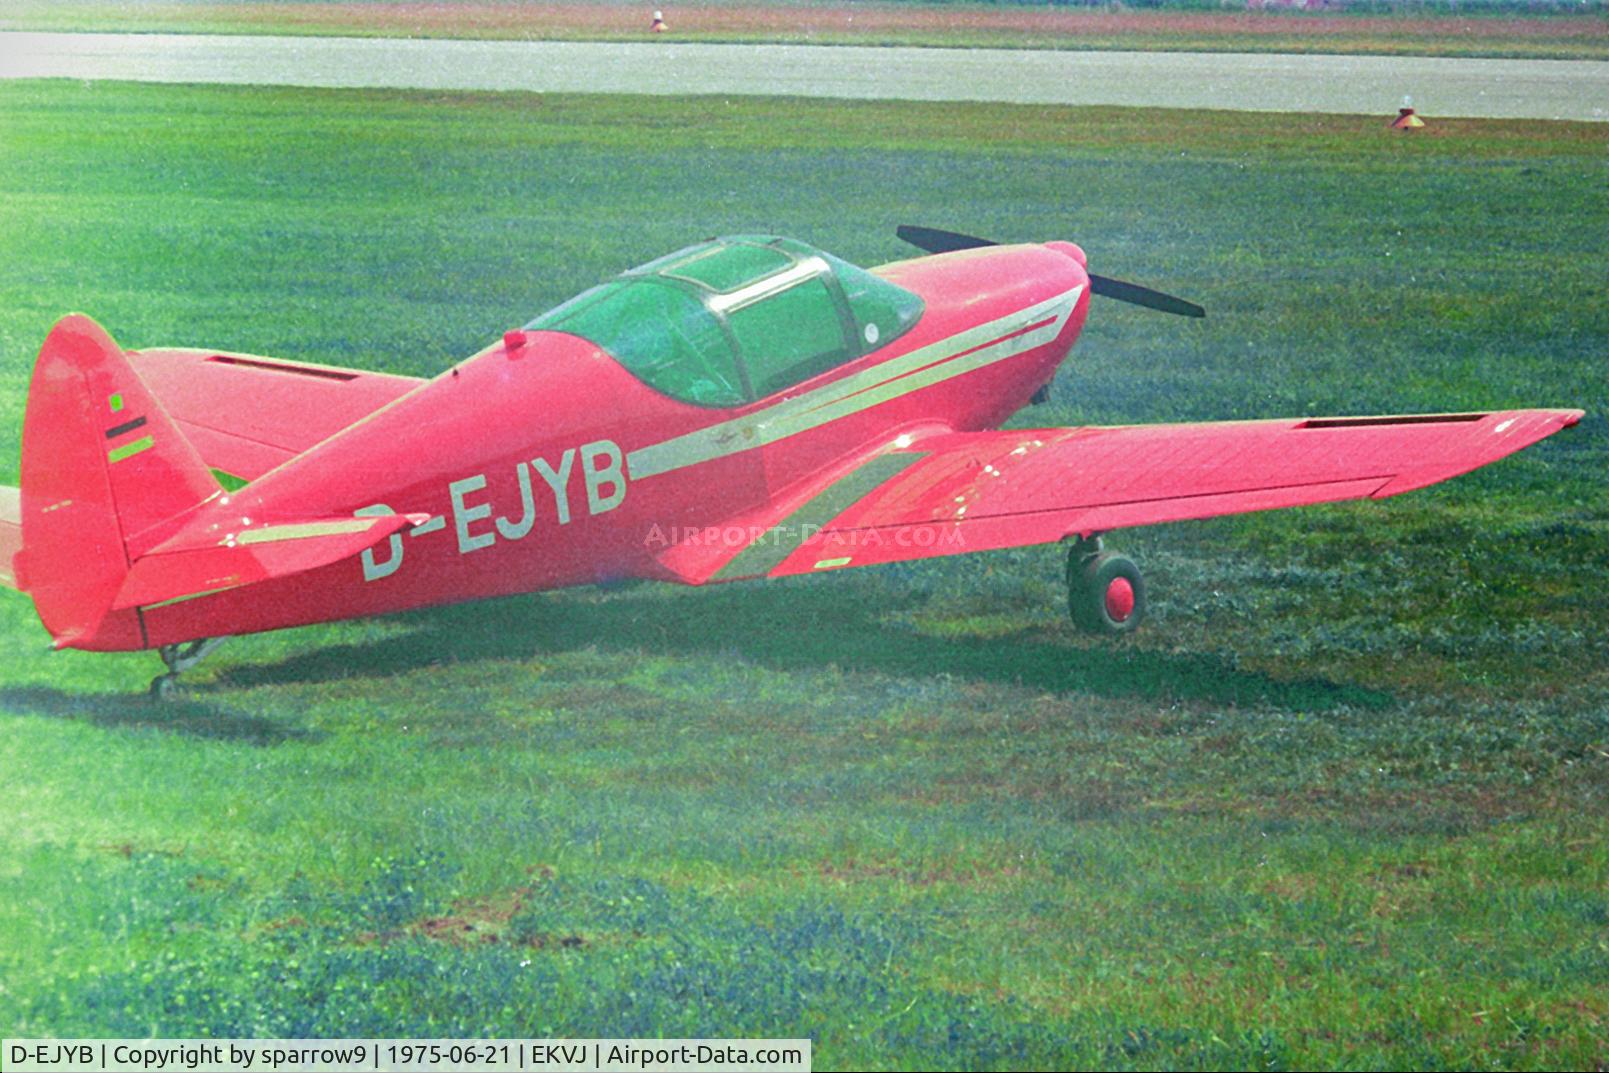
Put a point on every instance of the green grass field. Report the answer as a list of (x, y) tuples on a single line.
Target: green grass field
[(1342, 804)]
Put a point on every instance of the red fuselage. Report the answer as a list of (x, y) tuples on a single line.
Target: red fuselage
[(547, 464)]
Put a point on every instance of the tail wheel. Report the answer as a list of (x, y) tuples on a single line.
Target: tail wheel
[(1105, 592)]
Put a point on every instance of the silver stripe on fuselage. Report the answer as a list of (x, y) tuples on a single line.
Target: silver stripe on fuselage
[(954, 356)]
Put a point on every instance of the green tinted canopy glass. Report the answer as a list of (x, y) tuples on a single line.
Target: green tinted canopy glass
[(882, 310), (789, 336), (664, 336), (736, 319), (724, 268)]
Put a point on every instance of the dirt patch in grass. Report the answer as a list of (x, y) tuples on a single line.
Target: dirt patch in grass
[(475, 920), (486, 920)]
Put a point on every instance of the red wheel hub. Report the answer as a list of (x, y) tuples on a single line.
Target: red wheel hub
[(1119, 599)]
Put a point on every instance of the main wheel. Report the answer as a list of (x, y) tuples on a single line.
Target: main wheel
[(164, 687), (1105, 592)]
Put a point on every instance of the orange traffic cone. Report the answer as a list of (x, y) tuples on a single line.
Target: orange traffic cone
[(1407, 119)]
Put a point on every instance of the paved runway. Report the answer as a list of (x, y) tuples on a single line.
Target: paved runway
[(1373, 85)]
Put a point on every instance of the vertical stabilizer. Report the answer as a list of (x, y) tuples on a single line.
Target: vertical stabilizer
[(105, 473)]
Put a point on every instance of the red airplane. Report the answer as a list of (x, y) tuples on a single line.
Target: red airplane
[(746, 407)]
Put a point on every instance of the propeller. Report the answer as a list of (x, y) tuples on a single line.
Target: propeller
[(934, 240)]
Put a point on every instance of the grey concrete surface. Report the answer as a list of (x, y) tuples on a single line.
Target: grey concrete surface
[(1538, 89)]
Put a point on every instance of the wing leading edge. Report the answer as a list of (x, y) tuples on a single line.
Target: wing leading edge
[(957, 492)]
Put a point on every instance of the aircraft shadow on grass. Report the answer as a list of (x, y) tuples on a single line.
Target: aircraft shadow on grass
[(191, 716), (788, 627)]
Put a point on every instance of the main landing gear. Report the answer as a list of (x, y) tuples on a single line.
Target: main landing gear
[(1105, 591), (180, 658)]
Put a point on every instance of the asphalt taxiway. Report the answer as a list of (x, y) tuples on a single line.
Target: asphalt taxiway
[(1270, 82)]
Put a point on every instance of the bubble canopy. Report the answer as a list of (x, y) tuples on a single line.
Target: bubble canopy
[(737, 319)]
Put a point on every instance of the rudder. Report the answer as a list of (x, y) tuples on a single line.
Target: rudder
[(105, 476)]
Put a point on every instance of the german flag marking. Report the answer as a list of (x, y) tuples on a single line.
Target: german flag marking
[(128, 450), (128, 426)]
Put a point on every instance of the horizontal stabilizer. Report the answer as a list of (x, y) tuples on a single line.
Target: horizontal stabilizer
[(246, 414), (202, 560), (119, 512)]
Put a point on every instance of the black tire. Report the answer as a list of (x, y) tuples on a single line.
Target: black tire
[(1090, 580), (164, 687)]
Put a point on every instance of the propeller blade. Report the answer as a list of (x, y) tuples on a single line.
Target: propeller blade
[(1107, 287), (935, 240)]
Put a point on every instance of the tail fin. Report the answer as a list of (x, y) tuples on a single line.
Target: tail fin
[(105, 476)]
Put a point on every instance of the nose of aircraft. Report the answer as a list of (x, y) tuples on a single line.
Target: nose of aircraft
[(1071, 249), (935, 240)]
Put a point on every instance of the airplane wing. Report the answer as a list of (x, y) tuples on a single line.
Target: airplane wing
[(245, 414), (947, 493)]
